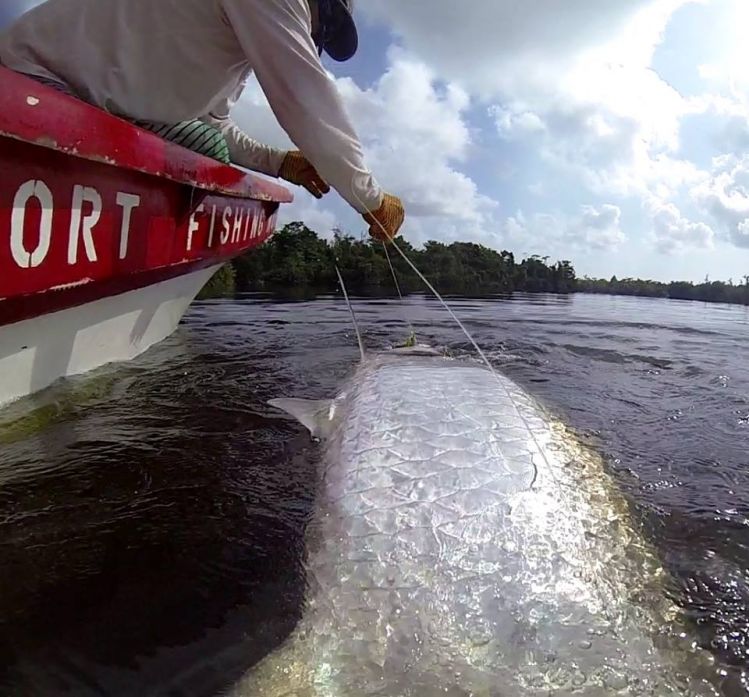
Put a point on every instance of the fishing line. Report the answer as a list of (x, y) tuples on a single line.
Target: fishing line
[(425, 281), (351, 310), (445, 305), (400, 294)]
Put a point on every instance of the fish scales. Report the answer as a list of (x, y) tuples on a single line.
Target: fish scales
[(465, 543)]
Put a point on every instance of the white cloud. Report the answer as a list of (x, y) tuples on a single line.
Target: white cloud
[(734, 136), (253, 114), (538, 188), (572, 81), (508, 46), (416, 136), (676, 234), (407, 99), (609, 119), (513, 124), (593, 229), (742, 234), (584, 139), (728, 119), (725, 196), (597, 228), (570, 84), (312, 214)]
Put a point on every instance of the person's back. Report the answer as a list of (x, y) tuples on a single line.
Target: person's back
[(168, 62), (117, 54)]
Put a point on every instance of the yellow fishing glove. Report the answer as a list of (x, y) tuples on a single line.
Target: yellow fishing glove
[(385, 222), (296, 169)]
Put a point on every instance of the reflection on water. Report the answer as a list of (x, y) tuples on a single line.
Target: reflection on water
[(152, 515)]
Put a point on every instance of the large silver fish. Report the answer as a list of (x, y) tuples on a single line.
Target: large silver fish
[(466, 544)]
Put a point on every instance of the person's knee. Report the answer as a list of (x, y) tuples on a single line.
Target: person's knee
[(196, 135)]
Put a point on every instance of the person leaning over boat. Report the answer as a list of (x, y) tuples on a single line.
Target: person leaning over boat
[(177, 67)]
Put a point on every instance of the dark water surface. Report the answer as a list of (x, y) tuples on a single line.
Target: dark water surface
[(152, 515)]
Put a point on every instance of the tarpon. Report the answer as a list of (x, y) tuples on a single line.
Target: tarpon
[(467, 544)]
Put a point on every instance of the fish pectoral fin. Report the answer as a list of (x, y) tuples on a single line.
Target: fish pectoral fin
[(314, 414)]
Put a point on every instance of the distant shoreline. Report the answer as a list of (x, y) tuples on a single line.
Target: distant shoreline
[(296, 261), (311, 292), (709, 291)]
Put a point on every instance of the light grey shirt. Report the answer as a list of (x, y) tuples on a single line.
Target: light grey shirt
[(172, 60)]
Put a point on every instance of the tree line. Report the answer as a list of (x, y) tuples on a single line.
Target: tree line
[(709, 291), (296, 258)]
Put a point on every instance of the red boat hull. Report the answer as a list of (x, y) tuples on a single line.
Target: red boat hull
[(92, 207)]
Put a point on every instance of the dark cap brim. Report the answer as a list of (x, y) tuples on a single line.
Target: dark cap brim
[(344, 44)]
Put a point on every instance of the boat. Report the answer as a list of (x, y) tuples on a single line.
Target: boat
[(107, 234)]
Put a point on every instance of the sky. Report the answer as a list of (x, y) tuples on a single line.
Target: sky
[(613, 134)]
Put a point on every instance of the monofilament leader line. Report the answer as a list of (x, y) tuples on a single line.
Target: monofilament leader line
[(412, 337), (351, 310), (445, 305), (426, 282)]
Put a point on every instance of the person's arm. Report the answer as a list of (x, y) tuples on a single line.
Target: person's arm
[(246, 152), (276, 38), (243, 150)]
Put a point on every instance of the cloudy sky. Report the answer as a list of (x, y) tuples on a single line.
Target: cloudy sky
[(614, 134)]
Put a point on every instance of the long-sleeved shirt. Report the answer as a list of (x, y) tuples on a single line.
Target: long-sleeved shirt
[(168, 61)]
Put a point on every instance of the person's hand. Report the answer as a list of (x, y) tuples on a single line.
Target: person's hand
[(296, 169), (385, 222)]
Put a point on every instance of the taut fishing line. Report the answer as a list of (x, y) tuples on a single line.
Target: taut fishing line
[(427, 283), (351, 310), (412, 338)]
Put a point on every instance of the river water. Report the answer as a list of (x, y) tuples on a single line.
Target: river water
[(152, 515)]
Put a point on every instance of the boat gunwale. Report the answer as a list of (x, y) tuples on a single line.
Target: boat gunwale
[(41, 116)]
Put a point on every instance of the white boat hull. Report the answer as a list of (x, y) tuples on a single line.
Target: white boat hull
[(34, 353)]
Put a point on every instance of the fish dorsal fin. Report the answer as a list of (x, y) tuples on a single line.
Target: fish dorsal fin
[(314, 414)]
